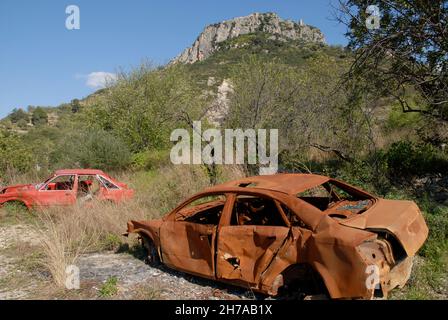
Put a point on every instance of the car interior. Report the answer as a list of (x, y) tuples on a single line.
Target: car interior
[(256, 211), (207, 210), (247, 211), (61, 183), (88, 185), (336, 202)]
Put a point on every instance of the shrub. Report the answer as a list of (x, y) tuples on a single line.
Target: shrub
[(407, 158), (39, 117), (15, 155), (92, 149)]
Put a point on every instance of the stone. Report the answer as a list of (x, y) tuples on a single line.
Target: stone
[(208, 41)]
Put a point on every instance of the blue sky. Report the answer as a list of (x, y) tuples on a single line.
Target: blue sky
[(43, 63)]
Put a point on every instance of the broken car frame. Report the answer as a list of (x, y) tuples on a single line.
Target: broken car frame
[(267, 232)]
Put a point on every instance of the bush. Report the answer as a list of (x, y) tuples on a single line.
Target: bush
[(39, 117), (407, 158), (92, 149), (151, 159), (18, 114), (15, 155)]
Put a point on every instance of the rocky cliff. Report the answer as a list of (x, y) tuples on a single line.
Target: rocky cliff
[(270, 23)]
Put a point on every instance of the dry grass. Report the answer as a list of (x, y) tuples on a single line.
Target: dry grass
[(66, 233)]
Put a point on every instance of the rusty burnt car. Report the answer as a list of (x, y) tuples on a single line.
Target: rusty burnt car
[(267, 233), (67, 187)]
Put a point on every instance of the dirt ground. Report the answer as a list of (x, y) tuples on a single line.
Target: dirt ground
[(108, 275), (22, 275)]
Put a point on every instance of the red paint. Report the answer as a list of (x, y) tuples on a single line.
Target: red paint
[(66, 187)]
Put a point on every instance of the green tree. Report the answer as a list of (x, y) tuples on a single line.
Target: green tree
[(76, 106), (305, 104), (91, 149), (22, 123), (145, 105), (14, 154), (39, 117), (18, 114), (409, 49)]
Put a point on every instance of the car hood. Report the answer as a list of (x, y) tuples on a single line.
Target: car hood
[(403, 219), (18, 188)]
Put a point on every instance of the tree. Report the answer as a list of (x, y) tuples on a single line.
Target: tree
[(22, 123), (304, 105), (145, 105), (15, 155), (409, 49), (91, 149), (76, 106), (39, 117), (18, 114)]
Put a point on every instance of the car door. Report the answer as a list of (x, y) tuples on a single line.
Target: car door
[(59, 191), (249, 241), (188, 237), (109, 190)]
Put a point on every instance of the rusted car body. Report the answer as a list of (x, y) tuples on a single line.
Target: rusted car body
[(67, 187), (263, 232)]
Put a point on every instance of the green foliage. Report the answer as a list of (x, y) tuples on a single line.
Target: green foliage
[(408, 158), (304, 104), (408, 49), (151, 159), (111, 242), (146, 105), (109, 288), (75, 106), (18, 114), (92, 149), (39, 117), (234, 51), (14, 154), (22, 123)]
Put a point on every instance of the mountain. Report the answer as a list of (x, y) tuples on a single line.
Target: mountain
[(218, 49), (271, 24)]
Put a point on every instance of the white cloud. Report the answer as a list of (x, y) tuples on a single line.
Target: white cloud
[(99, 79)]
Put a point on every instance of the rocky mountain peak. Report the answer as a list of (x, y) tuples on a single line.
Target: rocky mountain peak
[(270, 23)]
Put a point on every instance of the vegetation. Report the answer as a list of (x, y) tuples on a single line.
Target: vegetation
[(408, 49), (351, 129)]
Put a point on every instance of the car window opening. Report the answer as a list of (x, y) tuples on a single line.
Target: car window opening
[(206, 210), (61, 183), (88, 187), (337, 202), (256, 211)]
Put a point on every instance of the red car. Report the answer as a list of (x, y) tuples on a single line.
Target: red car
[(67, 187)]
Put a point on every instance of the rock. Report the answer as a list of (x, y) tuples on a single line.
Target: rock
[(220, 106), (208, 41)]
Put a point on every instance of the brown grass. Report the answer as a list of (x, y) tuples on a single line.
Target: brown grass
[(66, 233)]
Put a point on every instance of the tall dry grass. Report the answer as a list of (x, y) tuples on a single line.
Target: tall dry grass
[(67, 233)]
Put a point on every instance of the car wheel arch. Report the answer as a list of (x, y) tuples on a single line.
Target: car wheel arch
[(283, 278), (18, 201), (148, 236), (329, 281)]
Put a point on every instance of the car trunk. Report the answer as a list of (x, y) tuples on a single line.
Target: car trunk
[(402, 219)]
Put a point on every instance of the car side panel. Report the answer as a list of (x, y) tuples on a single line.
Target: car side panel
[(244, 252), (189, 247)]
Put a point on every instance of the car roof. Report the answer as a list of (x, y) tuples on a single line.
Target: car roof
[(80, 171), (291, 184)]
